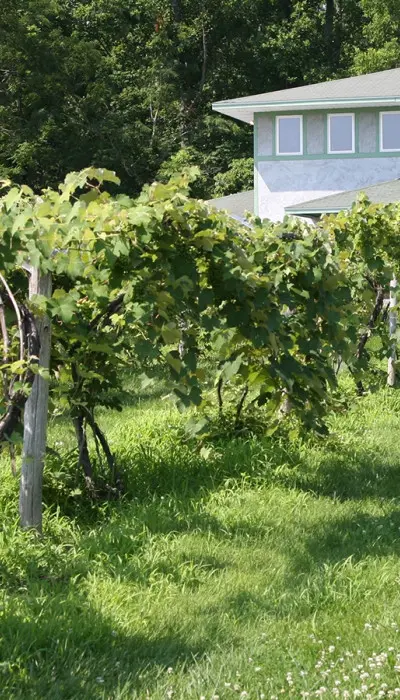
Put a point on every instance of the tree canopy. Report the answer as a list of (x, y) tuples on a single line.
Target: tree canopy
[(128, 85)]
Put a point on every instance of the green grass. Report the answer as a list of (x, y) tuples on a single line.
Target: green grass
[(256, 569)]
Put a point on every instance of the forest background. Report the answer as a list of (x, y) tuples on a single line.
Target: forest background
[(128, 84)]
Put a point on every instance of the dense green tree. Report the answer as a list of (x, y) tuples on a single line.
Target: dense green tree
[(128, 84), (380, 49)]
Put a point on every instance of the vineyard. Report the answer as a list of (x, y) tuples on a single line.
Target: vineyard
[(254, 320), (198, 392)]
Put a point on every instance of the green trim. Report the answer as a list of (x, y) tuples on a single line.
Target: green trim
[(324, 155), (274, 127), (305, 135), (378, 135), (299, 103), (356, 133), (255, 165), (330, 156)]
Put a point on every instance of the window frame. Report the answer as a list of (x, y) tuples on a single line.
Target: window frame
[(381, 149), (353, 132), (277, 130)]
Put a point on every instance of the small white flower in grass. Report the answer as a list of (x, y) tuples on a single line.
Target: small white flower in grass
[(244, 694), (357, 692), (262, 696), (227, 685), (335, 691), (397, 668), (99, 679), (257, 668), (364, 688), (377, 676), (250, 660), (170, 693), (215, 697), (346, 678), (381, 694), (397, 691), (331, 649), (367, 626), (113, 633), (170, 669)]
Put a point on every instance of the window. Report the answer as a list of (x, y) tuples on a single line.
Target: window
[(289, 136), (390, 131), (341, 133)]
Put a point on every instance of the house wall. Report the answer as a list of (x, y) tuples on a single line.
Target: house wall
[(285, 180)]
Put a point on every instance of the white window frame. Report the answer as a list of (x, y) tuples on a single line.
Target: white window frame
[(289, 116), (381, 149), (353, 131)]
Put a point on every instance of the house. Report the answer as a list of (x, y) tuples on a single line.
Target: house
[(319, 140)]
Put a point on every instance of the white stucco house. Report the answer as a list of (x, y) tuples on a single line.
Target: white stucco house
[(319, 140)]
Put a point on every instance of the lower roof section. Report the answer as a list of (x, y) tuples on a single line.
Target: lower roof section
[(235, 204), (383, 193)]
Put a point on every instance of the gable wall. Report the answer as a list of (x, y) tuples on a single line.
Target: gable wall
[(284, 180)]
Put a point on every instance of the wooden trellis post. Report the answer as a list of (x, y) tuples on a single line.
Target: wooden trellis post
[(35, 419)]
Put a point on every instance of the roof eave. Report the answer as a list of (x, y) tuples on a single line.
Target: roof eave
[(313, 212), (244, 111)]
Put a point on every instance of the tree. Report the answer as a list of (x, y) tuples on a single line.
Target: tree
[(128, 84)]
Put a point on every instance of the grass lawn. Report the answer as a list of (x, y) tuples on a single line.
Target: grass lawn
[(256, 570)]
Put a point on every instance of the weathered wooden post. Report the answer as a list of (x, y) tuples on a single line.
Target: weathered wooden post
[(391, 380), (35, 419)]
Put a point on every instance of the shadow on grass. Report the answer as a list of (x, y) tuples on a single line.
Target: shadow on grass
[(345, 473), (358, 537), (68, 650), (179, 470)]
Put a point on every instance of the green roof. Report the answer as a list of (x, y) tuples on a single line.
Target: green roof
[(235, 204), (382, 193), (380, 89)]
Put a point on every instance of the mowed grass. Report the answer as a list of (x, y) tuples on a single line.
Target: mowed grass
[(254, 569)]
